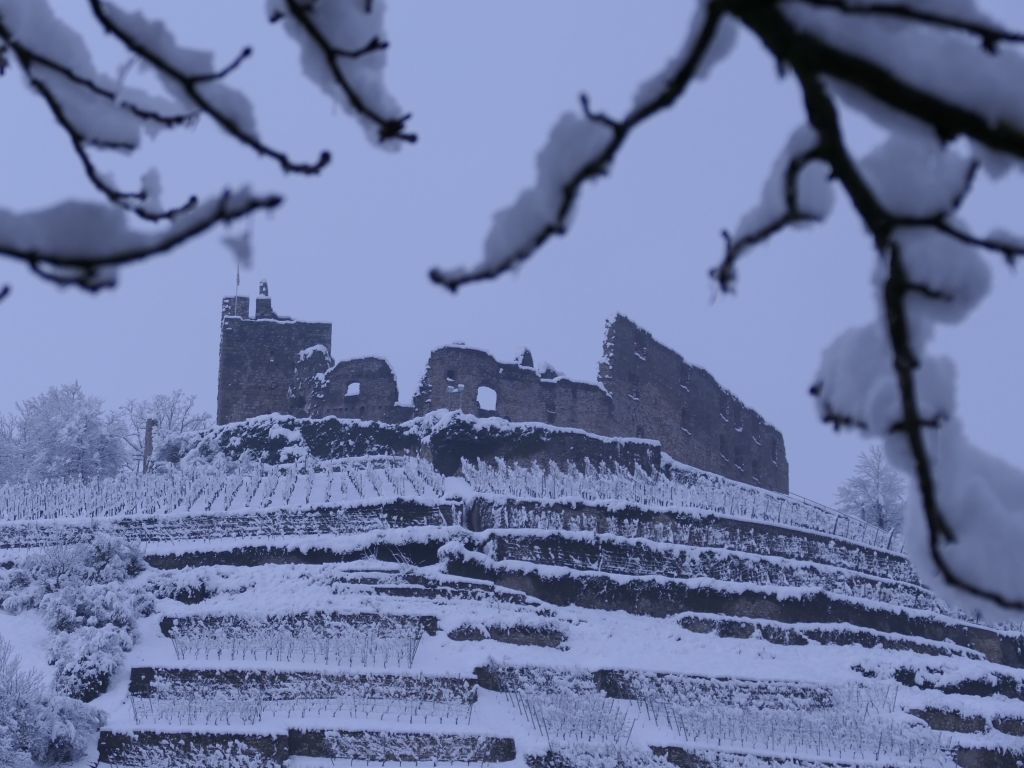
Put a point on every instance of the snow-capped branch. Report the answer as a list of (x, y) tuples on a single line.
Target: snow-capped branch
[(190, 73), (1010, 246), (30, 58), (904, 338), (81, 242), (973, 24), (809, 38), (92, 113), (325, 31), (578, 150), (140, 202), (797, 192)]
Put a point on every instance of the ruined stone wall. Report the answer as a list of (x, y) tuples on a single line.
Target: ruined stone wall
[(659, 395), (646, 390), (272, 364), (350, 389), (455, 375), (258, 357)]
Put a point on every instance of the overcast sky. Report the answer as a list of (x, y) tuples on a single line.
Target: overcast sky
[(485, 81)]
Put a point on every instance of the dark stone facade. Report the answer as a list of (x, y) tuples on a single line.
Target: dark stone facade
[(258, 357), (270, 364)]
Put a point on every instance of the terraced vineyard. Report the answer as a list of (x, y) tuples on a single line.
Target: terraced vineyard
[(553, 613)]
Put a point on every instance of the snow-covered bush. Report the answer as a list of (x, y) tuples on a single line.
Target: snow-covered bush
[(39, 726), (105, 559), (85, 659), (83, 594), (94, 605)]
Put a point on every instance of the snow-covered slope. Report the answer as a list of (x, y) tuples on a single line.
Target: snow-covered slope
[(594, 607)]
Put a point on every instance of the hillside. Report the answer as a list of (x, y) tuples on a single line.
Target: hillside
[(464, 590)]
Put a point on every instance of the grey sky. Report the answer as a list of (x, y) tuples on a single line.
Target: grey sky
[(485, 81)]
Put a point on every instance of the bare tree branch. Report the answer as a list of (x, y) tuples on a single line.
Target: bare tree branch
[(822, 113), (725, 273), (191, 85), (91, 271), (388, 128), (225, 71), (598, 165), (989, 35)]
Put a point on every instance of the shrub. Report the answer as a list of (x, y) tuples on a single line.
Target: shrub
[(85, 659), (103, 560), (80, 591), (38, 725), (94, 605)]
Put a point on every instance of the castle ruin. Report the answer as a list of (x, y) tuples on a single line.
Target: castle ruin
[(273, 364)]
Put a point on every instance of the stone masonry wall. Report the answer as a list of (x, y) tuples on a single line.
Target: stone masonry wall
[(646, 390), (272, 364), (258, 356), (659, 395), (349, 389)]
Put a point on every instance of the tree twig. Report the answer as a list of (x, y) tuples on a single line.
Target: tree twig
[(388, 128), (989, 35), (87, 271), (598, 165), (191, 85), (725, 273)]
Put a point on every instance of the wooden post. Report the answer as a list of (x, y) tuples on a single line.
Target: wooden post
[(147, 448)]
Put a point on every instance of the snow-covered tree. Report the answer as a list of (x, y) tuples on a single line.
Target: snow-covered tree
[(875, 492), (38, 727), (940, 77), (66, 433), (173, 415), (8, 450)]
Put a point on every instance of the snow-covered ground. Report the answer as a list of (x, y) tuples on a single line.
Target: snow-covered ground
[(343, 636)]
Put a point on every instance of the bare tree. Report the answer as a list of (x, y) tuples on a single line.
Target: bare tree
[(875, 492), (174, 414), (941, 78)]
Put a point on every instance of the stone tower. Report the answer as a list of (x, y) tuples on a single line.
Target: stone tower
[(258, 356)]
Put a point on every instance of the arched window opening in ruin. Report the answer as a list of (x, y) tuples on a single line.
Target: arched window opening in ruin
[(353, 390), (487, 399)]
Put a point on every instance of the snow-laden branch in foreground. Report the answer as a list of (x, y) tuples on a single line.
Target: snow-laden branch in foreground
[(82, 243), (798, 192), (583, 147), (961, 17), (944, 81), (880, 380), (93, 110), (189, 74), (342, 52)]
